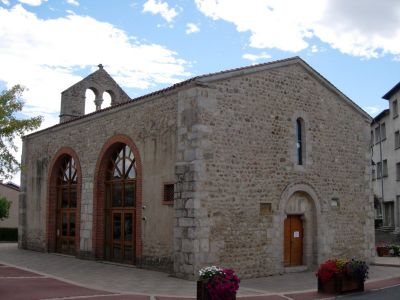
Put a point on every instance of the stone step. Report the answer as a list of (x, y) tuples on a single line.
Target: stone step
[(386, 228)]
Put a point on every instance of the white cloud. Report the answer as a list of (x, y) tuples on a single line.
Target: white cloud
[(192, 28), (365, 28), (73, 2), (35, 54), (255, 57), (373, 110), (5, 2), (159, 7), (314, 49), (32, 2)]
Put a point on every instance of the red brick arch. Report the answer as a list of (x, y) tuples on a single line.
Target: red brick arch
[(99, 195), (52, 198)]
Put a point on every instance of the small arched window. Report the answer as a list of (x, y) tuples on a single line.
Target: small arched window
[(300, 142)]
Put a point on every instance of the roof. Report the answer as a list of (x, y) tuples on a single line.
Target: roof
[(10, 185), (393, 90), (380, 116), (203, 79)]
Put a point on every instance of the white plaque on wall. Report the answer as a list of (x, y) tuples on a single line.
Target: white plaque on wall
[(296, 234)]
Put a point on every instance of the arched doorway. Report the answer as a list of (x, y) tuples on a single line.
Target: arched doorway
[(117, 202), (66, 206), (300, 209), (120, 208), (63, 221)]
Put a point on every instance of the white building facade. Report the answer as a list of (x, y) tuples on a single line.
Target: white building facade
[(385, 147)]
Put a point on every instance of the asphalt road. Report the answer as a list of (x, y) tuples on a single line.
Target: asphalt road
[(392, 293)]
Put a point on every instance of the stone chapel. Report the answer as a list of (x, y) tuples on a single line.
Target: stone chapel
[(264, 169)]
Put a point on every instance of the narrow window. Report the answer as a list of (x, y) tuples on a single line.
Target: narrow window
[(395, 109), (168, 194), (383, 131), (377, 135), (397, 139), (373, 174), (371, 142), (300, 143), (385, 168), (379, 170), (398, 171)]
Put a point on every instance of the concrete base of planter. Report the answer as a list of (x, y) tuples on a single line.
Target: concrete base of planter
[(341, 284), (202, 293)]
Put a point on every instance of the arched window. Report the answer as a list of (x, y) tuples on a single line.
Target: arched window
[(66, 205), (120, 205), (90, 97), (300, 142)]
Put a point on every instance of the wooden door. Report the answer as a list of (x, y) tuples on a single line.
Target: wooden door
[(122, 241), (66, 207), (66, 231), (120, 207), (293, 241)]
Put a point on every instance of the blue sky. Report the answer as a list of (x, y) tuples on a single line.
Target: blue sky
[(150, 44)]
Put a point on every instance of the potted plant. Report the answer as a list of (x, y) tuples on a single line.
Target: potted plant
[(341, 275), (217, 284), (394, 250), (382, 249)]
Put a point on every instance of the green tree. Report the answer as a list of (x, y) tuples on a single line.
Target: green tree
[(11, 127), (4, 208)]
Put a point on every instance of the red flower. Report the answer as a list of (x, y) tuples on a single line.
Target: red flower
[(327, 270), (224, 285)]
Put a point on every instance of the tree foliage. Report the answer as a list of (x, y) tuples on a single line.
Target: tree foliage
[(11, 127), (4, 208)]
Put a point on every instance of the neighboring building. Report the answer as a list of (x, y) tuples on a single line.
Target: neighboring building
[(260, 168), (11, 192), (385, 145)]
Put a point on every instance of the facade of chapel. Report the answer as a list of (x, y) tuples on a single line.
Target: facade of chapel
[(261, 169)]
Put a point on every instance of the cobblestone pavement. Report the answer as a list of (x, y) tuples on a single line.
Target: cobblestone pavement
[(26, 271)]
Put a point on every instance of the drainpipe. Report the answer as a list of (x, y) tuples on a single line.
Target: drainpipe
[(380, 158)]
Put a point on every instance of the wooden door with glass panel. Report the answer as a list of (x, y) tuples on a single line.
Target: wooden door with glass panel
[(120, 207), (66, 206)]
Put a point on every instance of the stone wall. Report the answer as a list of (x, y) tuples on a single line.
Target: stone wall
[(151, 125), (73, 99), (228, 141), (249, 123)]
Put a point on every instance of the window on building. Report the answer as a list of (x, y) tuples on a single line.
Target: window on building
[(300, 141), (373, 174), (66, 205), (379, 170), (395, 109), (383, 131), (371, 142), (120, 205), (398, 171), (377, 135), (397, 139), (385, 168), (168, 193)]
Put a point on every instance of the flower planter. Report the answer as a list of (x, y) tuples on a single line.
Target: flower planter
[(202, 293), (341, 284), (382, 251)]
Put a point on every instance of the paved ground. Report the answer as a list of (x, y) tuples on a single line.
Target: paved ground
[(391, 293), (52, 276)]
